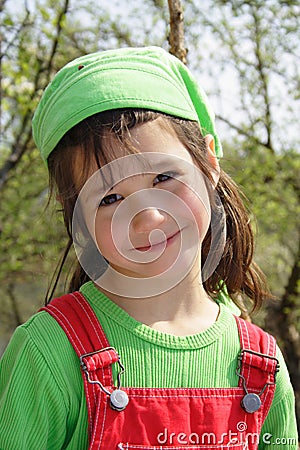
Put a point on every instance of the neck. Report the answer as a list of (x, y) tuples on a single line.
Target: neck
[(185, 309)]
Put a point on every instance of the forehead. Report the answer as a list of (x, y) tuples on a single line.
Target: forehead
[(152, 137), (151, 147), (156, 136)]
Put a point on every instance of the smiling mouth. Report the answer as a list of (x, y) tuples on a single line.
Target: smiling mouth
[(168, 241)]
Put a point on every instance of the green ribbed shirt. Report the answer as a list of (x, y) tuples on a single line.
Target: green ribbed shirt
[(42, 401)]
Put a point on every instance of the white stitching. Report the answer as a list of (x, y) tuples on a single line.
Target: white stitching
[(88, 314), (106, 374), (67, 331)]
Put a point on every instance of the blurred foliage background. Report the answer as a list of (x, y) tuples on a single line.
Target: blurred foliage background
[(246, 56)]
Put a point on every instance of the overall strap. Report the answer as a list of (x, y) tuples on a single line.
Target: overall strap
[(258, 365), (79, 322)]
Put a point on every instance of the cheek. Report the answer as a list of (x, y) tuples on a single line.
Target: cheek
[(103, 234), (200, 209), (106, 236)]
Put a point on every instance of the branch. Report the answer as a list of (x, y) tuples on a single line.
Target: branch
[(15, 156), (261, 71), (14, 305), (25, 23), (24, 134), (22, 140), (176, 37), (60, 18), (291, 289), (283, 324), (2, 3), (246, 133)]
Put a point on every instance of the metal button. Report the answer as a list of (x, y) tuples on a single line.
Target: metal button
[(251, 403), (118, 400)]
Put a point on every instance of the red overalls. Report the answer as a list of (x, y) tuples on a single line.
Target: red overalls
[(170, 418)]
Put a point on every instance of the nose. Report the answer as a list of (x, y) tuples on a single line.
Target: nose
[(147, 220)]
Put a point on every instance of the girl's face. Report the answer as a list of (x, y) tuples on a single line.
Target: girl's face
[(148, 220)]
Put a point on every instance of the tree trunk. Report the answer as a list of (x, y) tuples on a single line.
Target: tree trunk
[(14, 305), (176, 36), (283, 317)]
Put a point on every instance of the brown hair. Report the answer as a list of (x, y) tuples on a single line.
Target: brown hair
[(236, 270)]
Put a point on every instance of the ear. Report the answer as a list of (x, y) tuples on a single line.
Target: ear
[(213, 160)]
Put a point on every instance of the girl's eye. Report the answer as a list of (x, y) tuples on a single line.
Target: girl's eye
[(164, 177), (110, 199)]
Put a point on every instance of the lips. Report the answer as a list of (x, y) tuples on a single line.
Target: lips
[(169, 240)]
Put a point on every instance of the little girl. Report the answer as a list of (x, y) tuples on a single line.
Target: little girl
[(147, 350)]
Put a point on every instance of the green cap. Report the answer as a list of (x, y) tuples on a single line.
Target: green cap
[(146, 77)]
